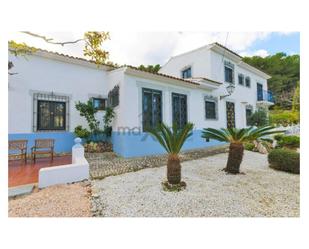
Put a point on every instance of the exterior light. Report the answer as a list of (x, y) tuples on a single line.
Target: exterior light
[(230, 89)]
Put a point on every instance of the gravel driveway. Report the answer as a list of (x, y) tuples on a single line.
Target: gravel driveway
[(260, 192), (68, 200)]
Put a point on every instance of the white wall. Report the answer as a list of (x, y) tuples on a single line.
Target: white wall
[(36, 73), (207, 63)]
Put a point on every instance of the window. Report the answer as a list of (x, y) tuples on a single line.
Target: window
[(99, 103), (211, 105), (248, 113), (51, 115), (228, 72), (241, 79), (152, 108), (186, 73), (248, 81), (179, 106), (113, 97)]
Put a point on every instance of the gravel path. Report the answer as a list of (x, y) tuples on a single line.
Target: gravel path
[(260, 192), (57, 201)]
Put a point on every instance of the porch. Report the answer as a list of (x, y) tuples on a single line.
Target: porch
[(22, 174)]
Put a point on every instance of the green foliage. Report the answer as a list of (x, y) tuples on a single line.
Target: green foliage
[(81, 132), (234, 135), (278, 137), (20, 48), (285, 160), (93, 43), (258, 118), (249, 146), (291, 142), (150, 68), (284, 117), (173, 139), (285, 75), (296, 99), (88, 111), (107, 119), (267, 139)]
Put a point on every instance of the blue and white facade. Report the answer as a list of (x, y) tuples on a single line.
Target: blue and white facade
[(189, 88)]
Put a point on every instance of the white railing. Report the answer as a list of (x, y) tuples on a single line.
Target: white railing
[(75, 172)]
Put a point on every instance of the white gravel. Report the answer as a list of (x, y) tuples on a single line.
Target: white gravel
[(210, 192)]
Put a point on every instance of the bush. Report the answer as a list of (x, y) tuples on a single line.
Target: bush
[(267, 139), (284, 160), (258, 118), (291, 142), (81, 132), (249, 146), (284, 118), (278, 137)]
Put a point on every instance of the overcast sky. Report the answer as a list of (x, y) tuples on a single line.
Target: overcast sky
[(135, 48)]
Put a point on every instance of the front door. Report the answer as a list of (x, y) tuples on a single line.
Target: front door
[(230, 115)]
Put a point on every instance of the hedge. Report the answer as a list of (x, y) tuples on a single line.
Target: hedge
[(291, 142), (284, 160)]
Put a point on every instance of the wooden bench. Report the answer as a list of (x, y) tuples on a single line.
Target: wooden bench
[(43, 146), (21, 146)]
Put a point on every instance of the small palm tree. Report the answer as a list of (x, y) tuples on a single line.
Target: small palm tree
[(236, 138), (172, 141)]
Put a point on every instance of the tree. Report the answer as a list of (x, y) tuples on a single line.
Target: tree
[(237, 138), (150, 68), (93, 42), (258, 118), (296, 98), (285, 72), (172, 141)]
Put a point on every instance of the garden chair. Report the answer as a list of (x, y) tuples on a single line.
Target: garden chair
[(43, 146), (21, 146)]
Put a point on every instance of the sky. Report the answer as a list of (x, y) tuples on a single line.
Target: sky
[(135, 48)]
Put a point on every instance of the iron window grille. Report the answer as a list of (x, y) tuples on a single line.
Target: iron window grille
[(50, 112), (211, 107), (241, 79), (179, 109), (248, 81), (113, 97), (249, 111), (152, 108), (228, 72)]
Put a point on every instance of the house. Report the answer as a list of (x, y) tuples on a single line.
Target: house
[(191, 87)]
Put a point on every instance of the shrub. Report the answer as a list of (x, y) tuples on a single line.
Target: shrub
[(267, 139), (258, 118), (284, 118), (81, 132), (291, 142), (249, 146), (278, 137), (284, 160)]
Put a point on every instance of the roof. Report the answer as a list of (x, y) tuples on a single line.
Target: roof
[(175, 78), (114, 67), (227, 49)]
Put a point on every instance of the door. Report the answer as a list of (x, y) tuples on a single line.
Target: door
[(179, 107), (259, 92), (230, 115)]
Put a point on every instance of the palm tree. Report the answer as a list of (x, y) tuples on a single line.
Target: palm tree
[(236, 138), (172, 140)]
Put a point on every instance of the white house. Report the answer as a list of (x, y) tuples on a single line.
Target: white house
[(191, 87)]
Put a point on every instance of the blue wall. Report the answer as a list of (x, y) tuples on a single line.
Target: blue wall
[(124, 144), (141, 144), (63, 140)]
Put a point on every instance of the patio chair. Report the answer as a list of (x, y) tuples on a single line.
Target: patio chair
[(43, 146), (21, 147)]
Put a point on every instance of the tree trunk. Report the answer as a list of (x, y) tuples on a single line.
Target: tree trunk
[(234, 160), (173, 170)]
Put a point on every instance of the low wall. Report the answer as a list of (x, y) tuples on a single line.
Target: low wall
[(75, 172)]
